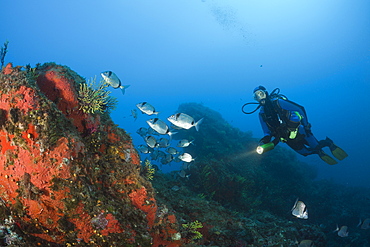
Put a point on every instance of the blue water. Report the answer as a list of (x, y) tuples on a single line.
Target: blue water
[(215, 53)]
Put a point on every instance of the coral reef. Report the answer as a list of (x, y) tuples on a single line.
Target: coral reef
[(70, 177)]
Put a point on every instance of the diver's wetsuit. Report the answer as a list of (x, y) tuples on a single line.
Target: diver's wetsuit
[(278, 116)]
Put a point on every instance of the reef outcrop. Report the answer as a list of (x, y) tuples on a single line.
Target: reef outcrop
[(69, 177)]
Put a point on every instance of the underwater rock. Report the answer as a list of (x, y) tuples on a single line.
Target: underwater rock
[(223, 226), (70, 178)]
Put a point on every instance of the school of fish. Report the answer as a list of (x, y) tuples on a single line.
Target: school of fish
[(160, 148)]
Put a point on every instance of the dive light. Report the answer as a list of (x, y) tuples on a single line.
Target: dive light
[(265, 148)]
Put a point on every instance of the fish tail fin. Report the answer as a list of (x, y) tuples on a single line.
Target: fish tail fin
[(336, 229), (196, 125), (359, 224), (123, 88), (170, 134)]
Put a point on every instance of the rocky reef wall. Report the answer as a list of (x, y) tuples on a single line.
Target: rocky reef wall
[(69, 177)]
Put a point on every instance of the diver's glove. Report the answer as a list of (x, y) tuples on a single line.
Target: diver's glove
[(264, 140)]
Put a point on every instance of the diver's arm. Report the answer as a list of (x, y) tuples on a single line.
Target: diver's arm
[(266, 131)]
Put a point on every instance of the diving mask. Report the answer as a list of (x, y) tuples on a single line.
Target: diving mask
[(259, 95)]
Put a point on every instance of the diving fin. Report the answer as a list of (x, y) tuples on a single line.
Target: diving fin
[(329, 160), (338, 153)]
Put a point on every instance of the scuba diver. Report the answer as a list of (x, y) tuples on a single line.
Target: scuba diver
[(285, 121)]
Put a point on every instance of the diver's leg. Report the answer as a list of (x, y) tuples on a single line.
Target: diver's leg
[(311, 141), (338, 153), (304, 151), (315, 147)]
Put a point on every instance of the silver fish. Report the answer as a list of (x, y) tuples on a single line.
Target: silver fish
[(143, 149), (299, 210), (172, 151), (167, 159), (151, 141), (142, 131), (186, 157), (184, 143), (160, 126), (154, 154), (134, 114), (183, 174), (146, 108), (175, 188), (112, 79), (176, 159), (151, 131), (161, 154), (342, 232), (172, 126), (306, 243), (163, 143), (185, 166), (157, 154), (365, 224), (184, 121)]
